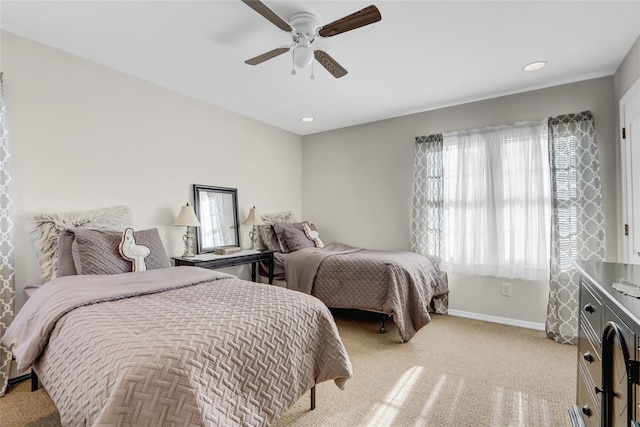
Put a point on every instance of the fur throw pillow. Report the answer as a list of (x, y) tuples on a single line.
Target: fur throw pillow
[(45, 230)]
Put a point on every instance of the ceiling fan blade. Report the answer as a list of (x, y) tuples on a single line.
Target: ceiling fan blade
[(366, 16), (267, 55), (330, 64), (269, 14)]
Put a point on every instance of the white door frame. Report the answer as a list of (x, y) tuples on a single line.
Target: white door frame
[(628, 245)]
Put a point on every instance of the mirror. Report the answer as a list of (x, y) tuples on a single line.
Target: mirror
[(217, 211)]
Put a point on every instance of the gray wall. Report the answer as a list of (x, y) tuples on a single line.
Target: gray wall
[(358, 183), (628, 72)]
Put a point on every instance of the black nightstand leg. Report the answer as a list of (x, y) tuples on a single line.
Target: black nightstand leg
[(34, 381), (254, 269), (313, 398), (271, 268)]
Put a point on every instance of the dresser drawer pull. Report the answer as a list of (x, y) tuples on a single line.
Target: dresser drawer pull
[(589, 308), (588, 357), (586, 410)]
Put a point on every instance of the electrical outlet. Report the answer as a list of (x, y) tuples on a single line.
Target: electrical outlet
[(506, 289)]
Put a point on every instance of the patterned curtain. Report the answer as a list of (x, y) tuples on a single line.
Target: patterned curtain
[(577, 227), (7, 289), (426, 223)]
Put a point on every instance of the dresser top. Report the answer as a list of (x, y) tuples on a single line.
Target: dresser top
[(602, 275)]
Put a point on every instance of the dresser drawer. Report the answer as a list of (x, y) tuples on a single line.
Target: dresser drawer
[(589, 353), (588, 402), (591, 308)]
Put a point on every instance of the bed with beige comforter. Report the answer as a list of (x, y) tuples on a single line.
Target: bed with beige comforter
[(176, 346)]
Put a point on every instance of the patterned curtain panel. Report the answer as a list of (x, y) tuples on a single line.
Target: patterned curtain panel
[(7, 289), (426, 224), (577, 228)]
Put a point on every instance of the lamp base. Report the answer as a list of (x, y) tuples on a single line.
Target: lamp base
[(188, 244), (253, 235)]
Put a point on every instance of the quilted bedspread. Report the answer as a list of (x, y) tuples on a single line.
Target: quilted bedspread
[(394, 282), (177, 346)]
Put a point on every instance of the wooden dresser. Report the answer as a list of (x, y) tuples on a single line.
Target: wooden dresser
[(608, 394)]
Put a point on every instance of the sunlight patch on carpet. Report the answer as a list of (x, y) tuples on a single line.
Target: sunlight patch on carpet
[(386, 412), (519, 407), (428, 406)]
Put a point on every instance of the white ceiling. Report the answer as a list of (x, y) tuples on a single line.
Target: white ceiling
[(422, 55)]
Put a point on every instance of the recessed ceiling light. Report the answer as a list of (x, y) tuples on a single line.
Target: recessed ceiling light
[(535, 66), (307, 119)]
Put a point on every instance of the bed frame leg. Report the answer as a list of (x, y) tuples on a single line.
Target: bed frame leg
[(313, 398), (382, 328), (34, 381)]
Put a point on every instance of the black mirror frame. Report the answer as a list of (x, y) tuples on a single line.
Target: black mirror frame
[(196, 200)]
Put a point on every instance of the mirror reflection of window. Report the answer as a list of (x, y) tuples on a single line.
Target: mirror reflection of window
[(219, 223)]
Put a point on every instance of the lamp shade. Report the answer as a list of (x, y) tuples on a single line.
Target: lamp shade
[(253, 218), (187, 217)]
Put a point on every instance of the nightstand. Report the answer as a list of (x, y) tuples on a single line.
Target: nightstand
[(213, 261)]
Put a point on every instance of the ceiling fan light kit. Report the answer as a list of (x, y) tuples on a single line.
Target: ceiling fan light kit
[(302, 56), (305, 29)]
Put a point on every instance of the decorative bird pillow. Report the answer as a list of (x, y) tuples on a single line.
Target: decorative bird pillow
[(132, 251), (313, 235)]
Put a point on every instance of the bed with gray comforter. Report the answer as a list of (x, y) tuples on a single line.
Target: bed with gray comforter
[(175, 346), (405, 285)]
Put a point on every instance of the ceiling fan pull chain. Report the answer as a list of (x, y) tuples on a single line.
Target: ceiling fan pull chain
[(312, 76)]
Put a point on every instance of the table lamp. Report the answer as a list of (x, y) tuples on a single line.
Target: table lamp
[(187, 218), (253, 219)]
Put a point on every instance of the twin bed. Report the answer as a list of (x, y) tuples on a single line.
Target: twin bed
[(403, 285), (175, 346), (195, 347)]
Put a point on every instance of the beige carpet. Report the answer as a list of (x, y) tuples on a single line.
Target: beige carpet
[(454, 372)]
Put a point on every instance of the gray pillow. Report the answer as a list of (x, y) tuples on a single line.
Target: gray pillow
[(65, 265), (265, 232), (297, 239), (98, 251), (278, 230)]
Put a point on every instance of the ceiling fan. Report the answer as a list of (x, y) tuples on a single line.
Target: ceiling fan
[(305, 28)]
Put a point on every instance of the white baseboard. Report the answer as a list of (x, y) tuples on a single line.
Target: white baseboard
[(497, 319)]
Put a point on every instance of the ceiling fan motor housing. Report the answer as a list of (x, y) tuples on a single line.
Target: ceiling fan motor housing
[(305, 24)]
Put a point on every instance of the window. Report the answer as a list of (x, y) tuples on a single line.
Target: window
[(496, 202)]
